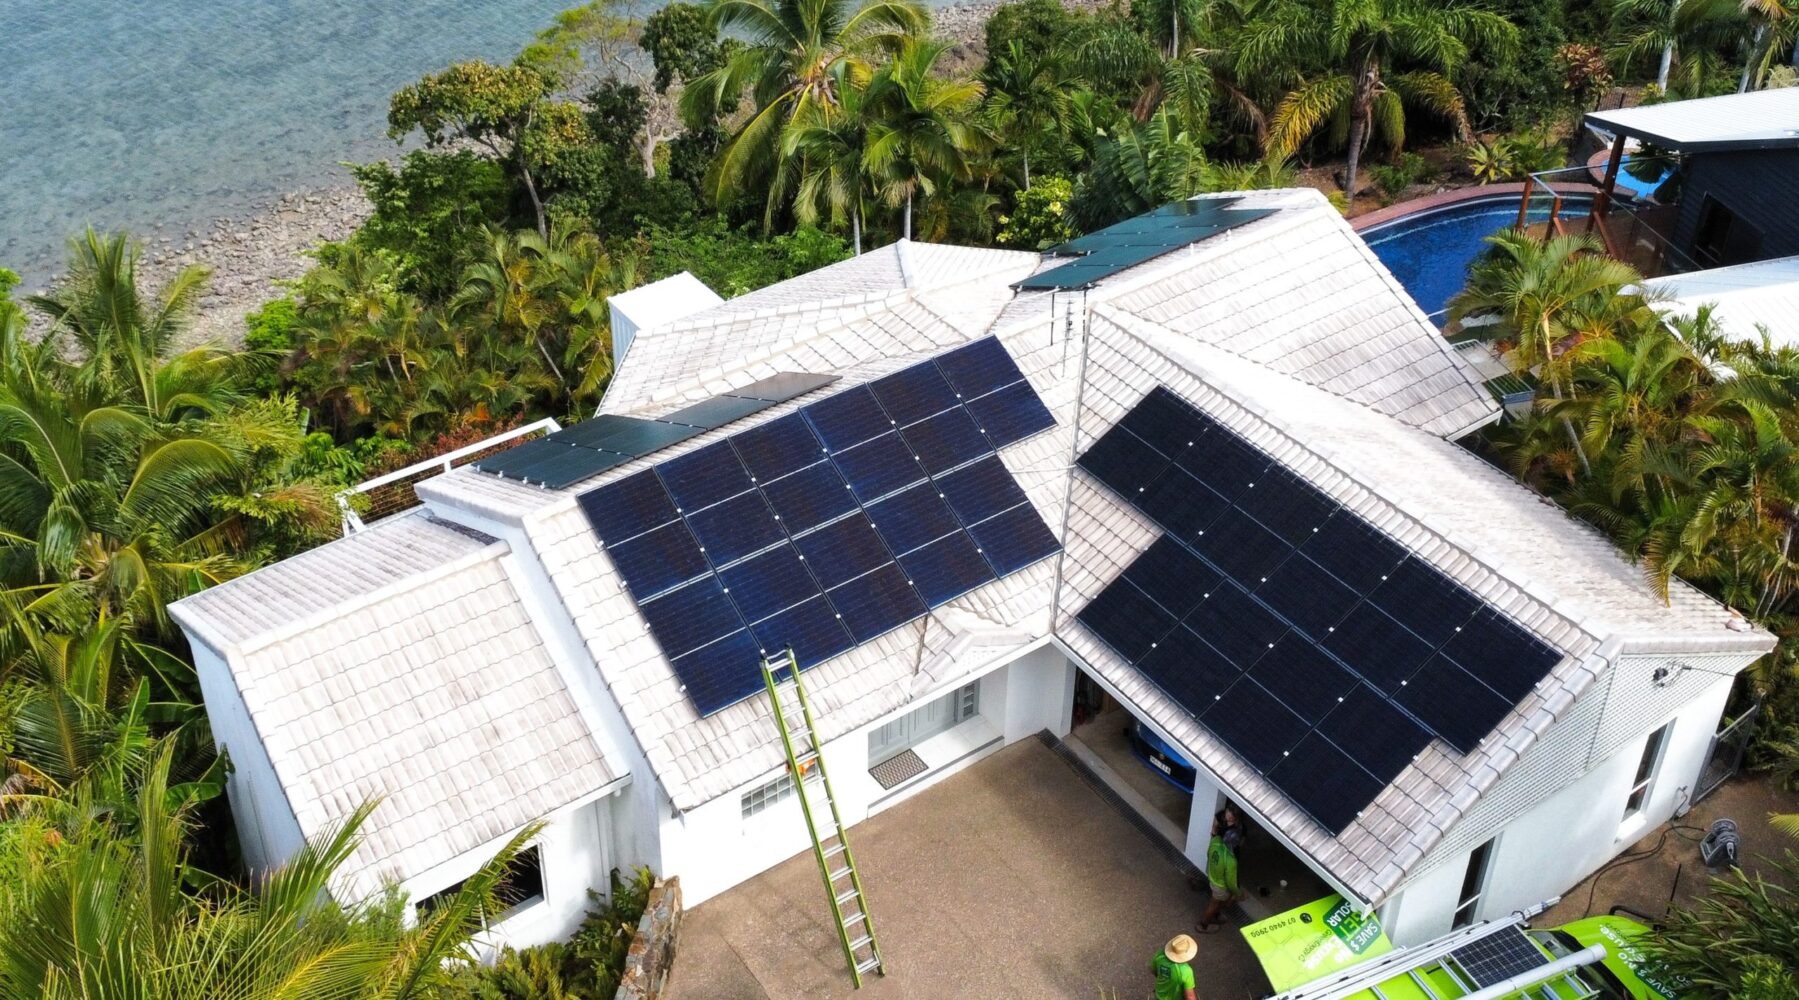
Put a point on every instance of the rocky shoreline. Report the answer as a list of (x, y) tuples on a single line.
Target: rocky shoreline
[(251, 253)]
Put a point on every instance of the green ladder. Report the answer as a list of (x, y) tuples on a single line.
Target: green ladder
[(843, 886)]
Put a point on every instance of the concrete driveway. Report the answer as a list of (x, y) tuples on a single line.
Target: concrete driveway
[(1010, 879)]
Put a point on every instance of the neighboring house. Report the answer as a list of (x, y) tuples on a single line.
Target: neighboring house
[(1746, 300), (488, 659), (1738, 182)]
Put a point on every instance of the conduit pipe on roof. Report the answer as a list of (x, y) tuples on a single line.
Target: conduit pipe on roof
[(1525, 980)]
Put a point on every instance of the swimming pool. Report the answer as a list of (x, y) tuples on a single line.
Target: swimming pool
[(1430, 252)]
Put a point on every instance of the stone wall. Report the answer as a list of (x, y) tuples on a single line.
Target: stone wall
[(652, 952)]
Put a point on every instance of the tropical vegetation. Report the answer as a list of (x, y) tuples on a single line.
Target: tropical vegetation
[(748, 141)]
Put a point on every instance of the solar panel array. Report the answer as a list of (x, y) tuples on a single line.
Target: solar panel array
[(608, 441), (1322, 651), (829, 526), (1141, 239), (1498, 957)]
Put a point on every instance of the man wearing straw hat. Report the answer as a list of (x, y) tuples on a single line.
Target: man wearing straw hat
[(1174, 977)]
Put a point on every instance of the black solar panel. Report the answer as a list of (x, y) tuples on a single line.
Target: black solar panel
[(826, 527), (1307, 640), (704, 477), (1498, 957), (1011, 414), (1013, 540), (808, 498), (783, 386), (715, 412)]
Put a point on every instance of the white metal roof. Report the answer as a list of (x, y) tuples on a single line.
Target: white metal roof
[(1745, 299), (1759, 119), (398, 664)]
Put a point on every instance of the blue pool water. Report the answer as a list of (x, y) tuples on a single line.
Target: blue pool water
[(1630, 187), (1430, 252)]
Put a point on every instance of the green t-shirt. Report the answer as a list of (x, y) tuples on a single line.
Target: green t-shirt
[(1221, 864), (1173, 979)]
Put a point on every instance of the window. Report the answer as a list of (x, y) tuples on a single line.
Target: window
[(760, 798), (1474, 882), (922, 723), (1652, 756), (1723, 237), (520, 887)]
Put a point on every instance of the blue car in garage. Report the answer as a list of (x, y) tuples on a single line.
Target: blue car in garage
[(1161, 758)]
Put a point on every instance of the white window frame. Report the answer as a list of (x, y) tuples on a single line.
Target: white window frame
[(1480, 872), (1649, 766), (765, 796)]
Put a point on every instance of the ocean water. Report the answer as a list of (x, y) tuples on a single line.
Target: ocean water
[(159, 115)]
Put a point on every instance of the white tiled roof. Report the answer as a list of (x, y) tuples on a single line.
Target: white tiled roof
[(1300, 293), (1286, 329), (431, 692), (881, 292), (1518, 552)]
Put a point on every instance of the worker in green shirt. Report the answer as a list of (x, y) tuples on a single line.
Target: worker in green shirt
[(1174, 977), (1221, 871)]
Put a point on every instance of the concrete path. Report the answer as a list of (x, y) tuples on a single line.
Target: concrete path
[(1010, 879)]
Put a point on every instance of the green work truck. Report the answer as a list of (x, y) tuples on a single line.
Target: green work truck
[(1327, 950)]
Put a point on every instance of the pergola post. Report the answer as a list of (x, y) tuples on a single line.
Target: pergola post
[(1604, 200)]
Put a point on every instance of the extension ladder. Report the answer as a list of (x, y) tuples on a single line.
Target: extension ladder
[(806, 767)]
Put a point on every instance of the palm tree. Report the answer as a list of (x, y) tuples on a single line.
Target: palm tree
[(130, 350), (1546, 296), (99, 910), (1029, 98), (1776, 27), (832, 145), (1662, 28), (790, 64), (1360, 39), (922, 127)]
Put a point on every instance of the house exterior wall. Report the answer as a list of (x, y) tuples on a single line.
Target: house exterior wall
[(577, 852), (715, 846), (1543, 850), (267, 831), (1761, 187)]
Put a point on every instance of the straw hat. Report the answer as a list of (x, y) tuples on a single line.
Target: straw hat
[(1181, 949)]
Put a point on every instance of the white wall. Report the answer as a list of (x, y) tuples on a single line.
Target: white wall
[(1549, 848), (266, 828), (714, 847), (577, 855)]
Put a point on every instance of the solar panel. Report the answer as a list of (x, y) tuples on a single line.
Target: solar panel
[(813, 629), (1013, 540), (609, 440), (878, 466), (731, 530), (1498, 957), (768, 583), (805, 499), (826, 527), (981, 490), (1010, 414), (979, 368), (876, 603), (942, 442), (914, 393), (629, 507), (704, 477), (778, 447), (716, 412), (946, 569), (658, 560), (1307, 640), (1144, 238)]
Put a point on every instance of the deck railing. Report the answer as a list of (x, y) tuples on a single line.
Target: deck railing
[(392, 492), (1635, 232)]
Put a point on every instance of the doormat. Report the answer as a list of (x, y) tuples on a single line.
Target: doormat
[(904, 767)]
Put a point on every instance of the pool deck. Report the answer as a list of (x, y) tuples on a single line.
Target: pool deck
[(1511, 191)]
